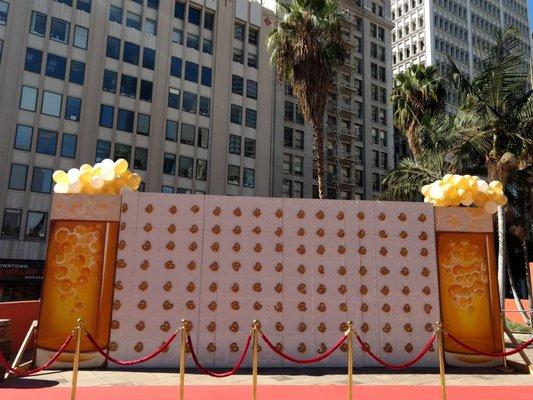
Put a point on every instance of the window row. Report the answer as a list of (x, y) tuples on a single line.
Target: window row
[(194, 15), (192, 41), (47, 141), (129, 86), (293, 138), (56, 66), (131, 52), (293, 164), (189, 134), (185, 167), (51, 103), (239, 29), (234, 176), (379, 137), (83, 5), (292, 113), (380, 160), (250, 116), (292, 189), (190, 102), (408, 51), (237, 87), (125, 120), (192, 71), (378, 72), (398, 12), (238, 57), (59, 30), (378, 115), (132, 20), (35, 224), (235, 146), (41, 181)]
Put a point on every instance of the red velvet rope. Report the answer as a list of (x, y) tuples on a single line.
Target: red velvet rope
[(502, 354), (426, 348), (47, 365), (132, 362), (220, 374), (321, 357)]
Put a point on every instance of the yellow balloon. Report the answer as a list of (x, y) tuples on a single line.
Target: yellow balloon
[(490, 207), (496, 186), (500, 199), (60, 176), (134, 181), (86, 177), (121, 166), (467, 200), (61, 187)]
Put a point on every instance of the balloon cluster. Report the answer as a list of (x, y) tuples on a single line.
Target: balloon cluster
[(466, 190), (106, 177)]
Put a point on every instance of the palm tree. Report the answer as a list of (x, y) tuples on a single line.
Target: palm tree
[(307, 48), (417, 91)]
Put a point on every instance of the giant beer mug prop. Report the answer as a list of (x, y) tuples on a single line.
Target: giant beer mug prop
[(79, 274)]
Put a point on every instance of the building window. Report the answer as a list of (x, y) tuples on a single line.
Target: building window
[(203, 138), (234, 144), (110, 81), (68, 145), (51, 104), (131, 53), (174, 98), (251, 118), (11, 223), (194, 15), (206, 76), (175, 67), (298, 190), (106, 116), (4, 9), (189, 102), (187, 134), (169, 164), (84, 5), (73, 109), (146, 91), (252, 60), (288, 136), (193, 41), (125, 120), (28, 98), (383, 138), (36, 225), (38, 23), (201, 170), (205, 106), (191, 71), (143, 124), (17, 177), (238, 31), (77, 72), (103, 150), (249, 148), (81, 36), (287, 163), (113, 47), (234, 175), (177, 36), (23, 137), (59, 30), (46, 142), (128, 85), (179, 10), (133, 20), (237, 84), (140, 158), (248, 177), (238, 56), (236, 114), (42, 180), (251, 89), (287, 188), (207, 46), (34, 60), (289, 111), (208, 21), (148, 58), (56, 66), (122, 151), (376, 182), (298, 139), (167, 189), (115, 14), (171, 131), (185, 167), (253, 36), (298, 164), (150, 26)]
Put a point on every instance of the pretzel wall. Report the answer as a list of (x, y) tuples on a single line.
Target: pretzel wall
[(302, 267)]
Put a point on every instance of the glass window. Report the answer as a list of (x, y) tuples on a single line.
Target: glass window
[(56, 66), (77, 72), (207, 46), (28, 98), (73, 109), (133, 20), (252, 60), (46, 142), (34, 60), (128, 85), (110, 81), (193, 41), (237, 84), (146, 91), (36, 224), (201, 170), (238, 56), (298, 165), (251, 118), (4, 8), (253, 36), (185, 167), (287, 163), (68, 145), (125, 120), (11, 223), (59, 30), (179, 10), (84, 5), (167, 189), (106, 116), (289, 111), (1, 49), (234, 175), (187, 134), (189, 102), (148, 58), (249, 148), (194, 15), (251, 89), (38, 23), (288, 136), (153, 4), (143, 124), (238, 31), (81, 36), (205, 106), (298, 139), (23, 137), (177, 36), (248, 177), (236, 114), (208, 21), (51, 104), (42, 180), (203, 138), (140, 158), (206, 76), (234, 144), (131, 53), (113, 47), (172, 131), (169, 164), (17, 177), (175, 67), (174, 98), (298, 189), (191, 71), (103, 150), (115, 14), (122, 151), (150, 26)]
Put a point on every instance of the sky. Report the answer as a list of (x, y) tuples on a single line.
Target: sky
[(530, 8)]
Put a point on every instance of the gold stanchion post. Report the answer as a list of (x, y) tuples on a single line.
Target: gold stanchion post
[(440, 338), (349, 337), (183, 344), (255, 343), (502, 325), (76, 363)]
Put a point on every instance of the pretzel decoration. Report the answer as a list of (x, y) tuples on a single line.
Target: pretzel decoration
[(148, 227), (301, 306), (341, 249), (173, 209), (320, 232), (320, 214), (115, 324), (234, 327), (279, 267), (403, 234), (422, 217), (278, 248), (278, 288), (194, 228), (323, 348), (213, 287), (124, 208), (302, 348), (340, 215), (343, 307), (425, 272), (384, 271), (321, 289), (342, 270), (365, 328), (235, 305), (361, 215), (214, 266), (171, 245), (211, 327), (320, 249), (167, 286), (257, 306), (404, 271), (139, 347), (235, 287), (321, 307), (193, 246), (424, 252), (237, 212), (140, 326), (302, 327), (212, 306), (258, 267), (257, 248), (257, 213), (165, 326), (322, 327), (344, 347), (408, 348), (301, 288), (256, 230), (236, 265), (142, 305), (122, 226), (143, 286), (145, 265), (216, 229), (382, 216), (408, 328), (386, 307), (387, 328), (191, 266), (363, 271), (406, 290), (321, 270), (341, 233), (170, 264), (279, 346), (383, 234), (237, 247), (387, 348), (428, 308), (118, 285), (279, 231), (216, 211), (301, 249), (426, 290), (171, 228), (383, 251), (428, 327), (403, 252), (402, 217), (407, 308), (195, 209), (237, 230), (278, 213), (234, 347), (423, 236), (364, 307), (279, 306), (301, 214), (149, 208), (146, 246), (211, 348), (279, 326), (363, 290), (256, 287), (385, 290), (301, 269), (343, 327), (167, 305), (342, 289)]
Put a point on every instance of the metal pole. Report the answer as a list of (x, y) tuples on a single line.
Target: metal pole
[(442, 372), (76, 363), (349, 335), (183, 345), (502, 326), (255, 337)]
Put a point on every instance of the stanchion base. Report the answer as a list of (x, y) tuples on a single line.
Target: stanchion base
[(471, 360), (91, 359)]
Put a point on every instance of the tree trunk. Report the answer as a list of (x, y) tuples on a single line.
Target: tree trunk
[(518, 303), (412, 141), (528, 280), (321, 170), (502, 248)]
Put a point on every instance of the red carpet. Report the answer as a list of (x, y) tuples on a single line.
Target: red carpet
[(329, 392)]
